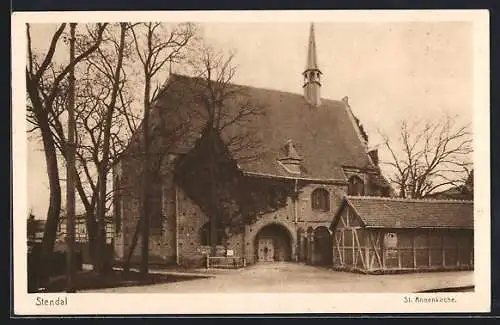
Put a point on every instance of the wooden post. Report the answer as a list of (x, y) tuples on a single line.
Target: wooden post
[(414, 252), (334, 248), (367, 257), (361, 250), (374, 250), (443, 252), (354, 255), (398, 250), (382, 249), (470, 247), (343, 246), (429, 249)]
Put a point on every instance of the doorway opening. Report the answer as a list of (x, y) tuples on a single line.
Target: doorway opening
[(273, 243), (323, 246)]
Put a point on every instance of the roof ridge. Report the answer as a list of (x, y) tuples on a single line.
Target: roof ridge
[(258, 87), (382, 198)]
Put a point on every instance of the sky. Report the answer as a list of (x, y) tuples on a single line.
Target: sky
[(389, 71)]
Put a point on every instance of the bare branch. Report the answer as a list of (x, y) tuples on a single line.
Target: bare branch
[(428, 156)]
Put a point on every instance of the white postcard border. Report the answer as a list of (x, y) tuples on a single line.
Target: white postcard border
[(100, 303)]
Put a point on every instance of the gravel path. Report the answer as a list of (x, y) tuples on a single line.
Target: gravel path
[(299, 278)]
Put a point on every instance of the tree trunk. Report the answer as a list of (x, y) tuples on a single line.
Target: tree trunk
[(71, 172), (54, 211), (90, 222), (104, 265), (101, 226), (213, 196), (92, 237), (133, 244), (144, 268), (145, 183)]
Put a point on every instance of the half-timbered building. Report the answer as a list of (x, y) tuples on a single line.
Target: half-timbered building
[(383, 235)]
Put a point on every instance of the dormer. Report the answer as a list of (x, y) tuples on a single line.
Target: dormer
[(290, 159)]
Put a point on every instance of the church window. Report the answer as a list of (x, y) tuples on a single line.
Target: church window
[(320, 199), (356, 186)]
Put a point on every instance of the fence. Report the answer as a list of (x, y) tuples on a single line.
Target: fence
[(225, 262)]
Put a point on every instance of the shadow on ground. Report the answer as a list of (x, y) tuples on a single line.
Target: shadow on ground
[(90, 280)]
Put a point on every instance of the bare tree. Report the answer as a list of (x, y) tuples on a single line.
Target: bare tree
[(43, 83), (104, 120), (98, 132), (225, 106), (104, 164), (428, 156), (155, 46)]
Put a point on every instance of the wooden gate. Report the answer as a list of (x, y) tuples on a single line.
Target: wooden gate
[(265, 252)]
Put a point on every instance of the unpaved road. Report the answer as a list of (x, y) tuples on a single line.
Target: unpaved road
[(300, 278)]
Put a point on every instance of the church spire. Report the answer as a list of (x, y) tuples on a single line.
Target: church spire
[(312, 59), (312, 74)]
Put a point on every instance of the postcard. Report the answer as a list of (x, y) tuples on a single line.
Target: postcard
[(250, 162)]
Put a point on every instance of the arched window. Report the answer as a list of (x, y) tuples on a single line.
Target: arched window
[(320, 199), (205, 235), (356, 186)]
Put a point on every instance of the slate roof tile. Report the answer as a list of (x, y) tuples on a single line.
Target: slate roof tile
[(325, 137)]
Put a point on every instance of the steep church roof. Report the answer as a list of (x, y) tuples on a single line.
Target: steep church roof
[(292, 135), (326, 137)]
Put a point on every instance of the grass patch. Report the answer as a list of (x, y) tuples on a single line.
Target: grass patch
[(91, 280)]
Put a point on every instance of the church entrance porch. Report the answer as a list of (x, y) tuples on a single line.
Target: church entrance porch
[(273, 243)]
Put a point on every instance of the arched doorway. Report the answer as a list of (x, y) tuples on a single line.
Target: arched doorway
[(273, 243), (323, 246)]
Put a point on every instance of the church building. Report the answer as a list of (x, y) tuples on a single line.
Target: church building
[(264, 179)]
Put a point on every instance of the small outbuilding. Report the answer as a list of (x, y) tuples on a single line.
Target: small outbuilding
[(385, 235)]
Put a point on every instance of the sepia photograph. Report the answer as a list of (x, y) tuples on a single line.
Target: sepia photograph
[(250, 162)]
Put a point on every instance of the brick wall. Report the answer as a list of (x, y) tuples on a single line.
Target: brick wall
[(308, 215), (188, 218), (190, 221)]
